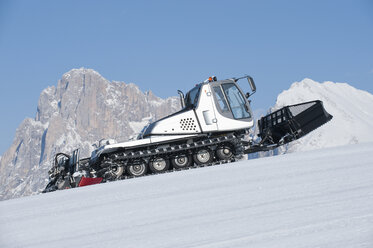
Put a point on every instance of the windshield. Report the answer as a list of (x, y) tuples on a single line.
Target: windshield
[(236, 101), (191, 98)]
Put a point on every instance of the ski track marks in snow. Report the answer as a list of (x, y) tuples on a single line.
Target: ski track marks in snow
[(320, 198)]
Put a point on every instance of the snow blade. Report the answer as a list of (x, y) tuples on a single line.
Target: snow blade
[(288, 124), (292, 122)]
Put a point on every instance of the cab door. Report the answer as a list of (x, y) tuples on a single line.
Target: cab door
[(233, 112), (206, 110)]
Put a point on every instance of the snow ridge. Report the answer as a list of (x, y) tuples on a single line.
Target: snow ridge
[(352, 111)]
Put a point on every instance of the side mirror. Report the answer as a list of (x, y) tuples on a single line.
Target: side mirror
[(252, 84)]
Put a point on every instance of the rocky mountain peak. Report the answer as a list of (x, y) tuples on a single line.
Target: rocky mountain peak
[(82, 108)]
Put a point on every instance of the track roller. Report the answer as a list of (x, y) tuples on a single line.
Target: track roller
[(138, 169), (181, 161), (203, 156), (159, 164), (115, 171), (224, 152)]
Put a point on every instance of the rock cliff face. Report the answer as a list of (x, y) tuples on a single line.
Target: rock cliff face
[(82, 109)]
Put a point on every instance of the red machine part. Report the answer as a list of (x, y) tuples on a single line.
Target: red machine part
[(89, 181)]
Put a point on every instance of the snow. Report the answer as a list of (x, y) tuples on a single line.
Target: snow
[(134, 86), (157, 103), (50, 90), (34, 123), (137, 126), (80, 70), (114, 96), (351, 109), (320, 198)]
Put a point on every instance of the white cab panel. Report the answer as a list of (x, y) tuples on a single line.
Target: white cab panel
[(182, 123), (140, 142), (206, 110), (160, 139), (228, 124)]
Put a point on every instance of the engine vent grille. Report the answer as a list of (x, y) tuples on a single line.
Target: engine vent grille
[(187, 124)]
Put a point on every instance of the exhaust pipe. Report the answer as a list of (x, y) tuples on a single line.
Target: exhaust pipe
[(182, 101)]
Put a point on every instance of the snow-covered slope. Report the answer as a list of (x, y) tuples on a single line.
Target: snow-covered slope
[(351, 108), (318, 198)]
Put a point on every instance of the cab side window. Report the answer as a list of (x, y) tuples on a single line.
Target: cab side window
[(221, 99), (236, 101)]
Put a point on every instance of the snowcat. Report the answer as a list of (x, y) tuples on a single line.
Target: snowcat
[(211, 128)]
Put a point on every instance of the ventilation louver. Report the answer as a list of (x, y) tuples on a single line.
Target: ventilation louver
[(187, 124)]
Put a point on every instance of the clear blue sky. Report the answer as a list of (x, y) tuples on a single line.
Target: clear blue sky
[(170, 45)]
